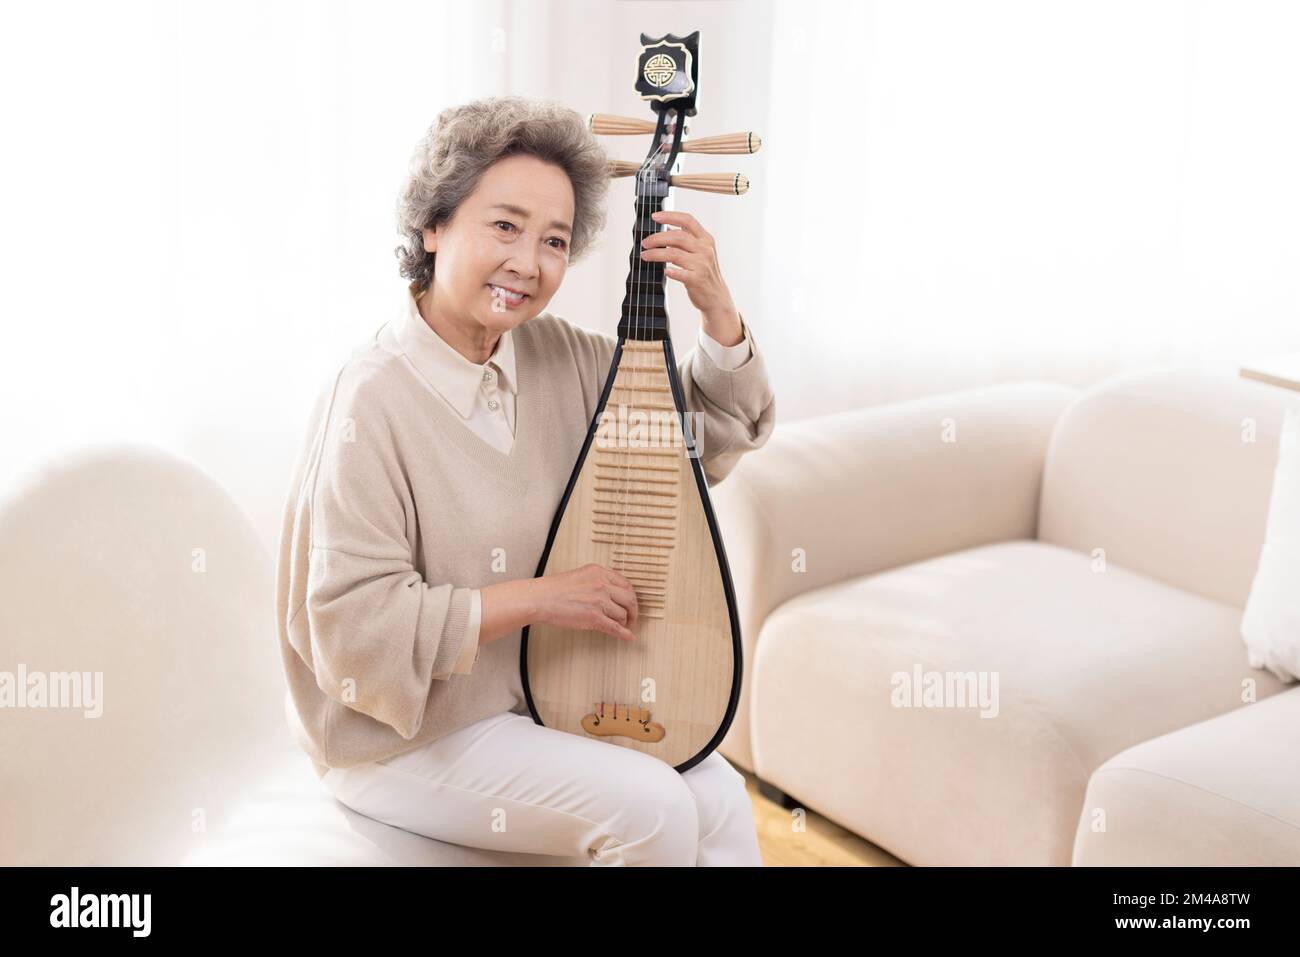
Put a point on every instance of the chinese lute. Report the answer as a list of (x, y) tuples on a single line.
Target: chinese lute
[(637, 500)]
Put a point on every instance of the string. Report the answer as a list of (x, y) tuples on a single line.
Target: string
[(620, 536), (641, 269)]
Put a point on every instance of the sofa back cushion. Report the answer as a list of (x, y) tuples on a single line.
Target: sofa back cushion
[(1169, 472)]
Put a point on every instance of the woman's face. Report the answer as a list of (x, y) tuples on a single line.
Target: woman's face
[(511, 233)]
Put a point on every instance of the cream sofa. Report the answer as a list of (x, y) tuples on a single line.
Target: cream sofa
[(1119, 689), (1092, 551), (130, 562)]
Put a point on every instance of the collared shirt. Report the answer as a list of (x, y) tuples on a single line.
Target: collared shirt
[(483, 396)]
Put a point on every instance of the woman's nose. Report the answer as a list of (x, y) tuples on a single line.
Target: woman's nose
[(524, 264)]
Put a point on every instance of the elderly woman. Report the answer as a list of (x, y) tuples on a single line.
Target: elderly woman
[(434, 460)]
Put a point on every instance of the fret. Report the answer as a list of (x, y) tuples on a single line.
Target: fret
[(624, 562), (618, 538)]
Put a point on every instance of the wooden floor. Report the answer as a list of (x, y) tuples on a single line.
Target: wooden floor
[(821, 844)]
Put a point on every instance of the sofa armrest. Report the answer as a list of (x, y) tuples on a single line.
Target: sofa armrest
[(845, 495)]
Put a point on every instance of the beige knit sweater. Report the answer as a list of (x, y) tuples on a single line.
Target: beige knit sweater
[(397, 512)]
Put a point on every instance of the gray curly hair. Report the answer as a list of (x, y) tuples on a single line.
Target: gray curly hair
[(465, 140)]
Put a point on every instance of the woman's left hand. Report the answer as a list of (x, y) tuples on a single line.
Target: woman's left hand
[(694, 258)]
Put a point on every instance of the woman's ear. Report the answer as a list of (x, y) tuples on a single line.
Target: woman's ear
[(430, 240)]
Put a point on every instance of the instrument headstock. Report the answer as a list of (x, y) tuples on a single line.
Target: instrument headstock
[(668, 71), (667, 78)]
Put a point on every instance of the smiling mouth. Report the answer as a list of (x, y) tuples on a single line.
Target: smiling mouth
[(508, 294)]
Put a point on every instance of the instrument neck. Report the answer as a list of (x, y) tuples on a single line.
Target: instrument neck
[(644, 314), (645, 302)]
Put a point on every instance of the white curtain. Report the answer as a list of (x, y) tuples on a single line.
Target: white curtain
[(961, 192), (198, 196)]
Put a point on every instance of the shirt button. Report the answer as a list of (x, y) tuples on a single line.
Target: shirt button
[(492, 404), (487, 375)]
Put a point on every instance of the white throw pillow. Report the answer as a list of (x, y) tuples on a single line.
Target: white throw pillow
[(1271, 623)]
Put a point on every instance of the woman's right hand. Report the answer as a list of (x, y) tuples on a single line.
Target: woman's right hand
[(590, 596)]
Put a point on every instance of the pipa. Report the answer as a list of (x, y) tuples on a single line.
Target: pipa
[(637, 500)]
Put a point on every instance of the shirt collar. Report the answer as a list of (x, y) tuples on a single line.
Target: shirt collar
[(456, 378)]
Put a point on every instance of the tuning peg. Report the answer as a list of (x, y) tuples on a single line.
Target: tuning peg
[(726, 143), (619, 168), (606, 124), (733, 184)]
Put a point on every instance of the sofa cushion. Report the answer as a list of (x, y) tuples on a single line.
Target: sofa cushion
[(1271, 623), (1087, 663), (1169, 472), (1224, 792), (127, 563)]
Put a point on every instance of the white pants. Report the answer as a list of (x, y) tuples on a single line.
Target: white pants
[(508, 783)]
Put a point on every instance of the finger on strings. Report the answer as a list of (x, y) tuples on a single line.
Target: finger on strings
[(684, 221)]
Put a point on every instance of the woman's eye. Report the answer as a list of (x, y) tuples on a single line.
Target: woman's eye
[(510, 225)]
